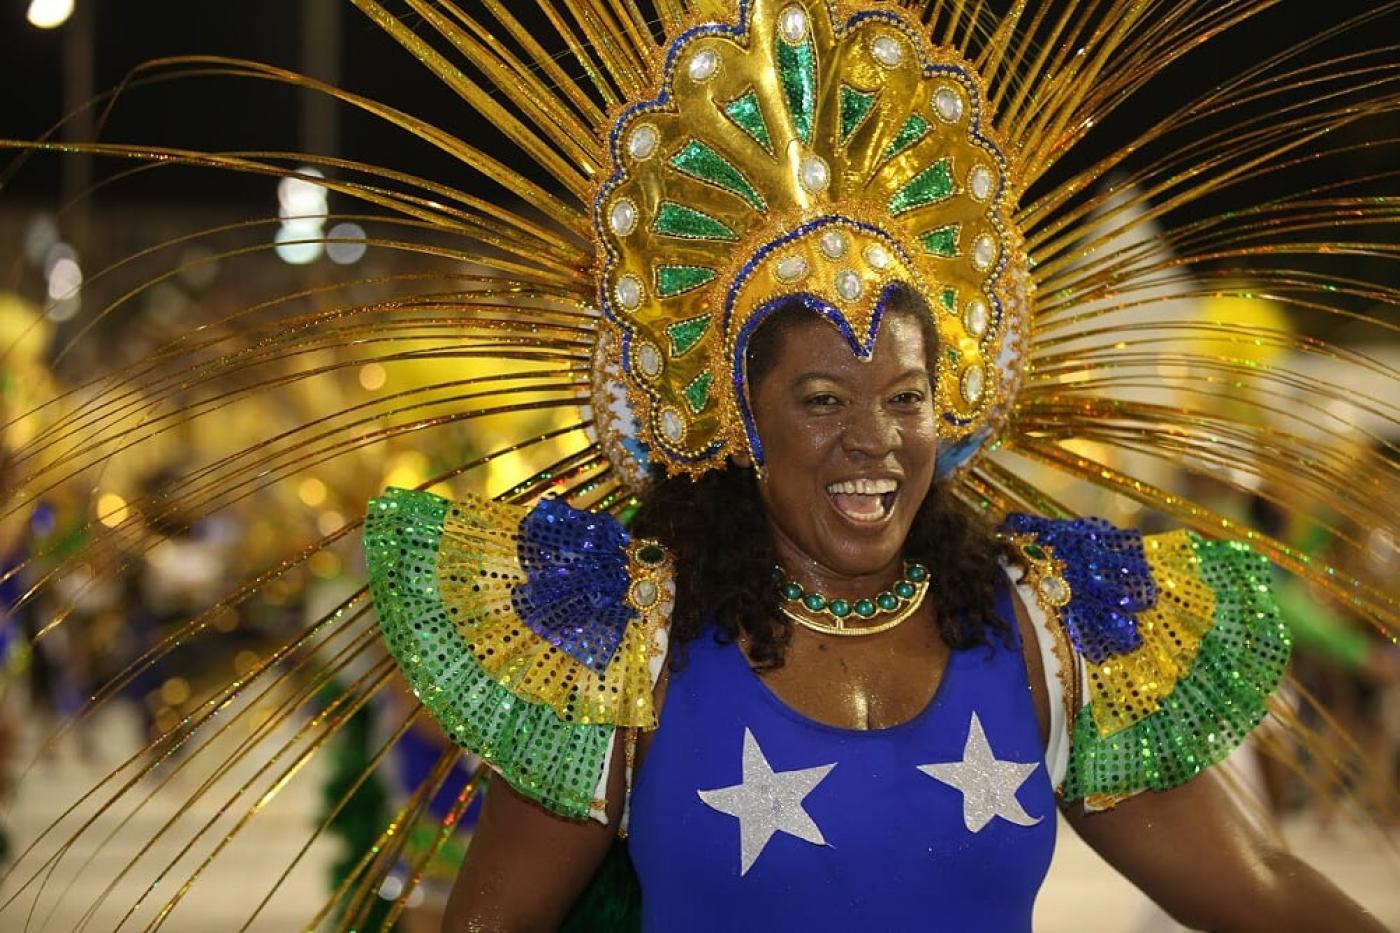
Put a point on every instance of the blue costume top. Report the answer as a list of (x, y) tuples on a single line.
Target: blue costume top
[(748, 815)]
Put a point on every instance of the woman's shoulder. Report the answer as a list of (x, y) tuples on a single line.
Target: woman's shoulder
[(530, 633), (1162, 649)]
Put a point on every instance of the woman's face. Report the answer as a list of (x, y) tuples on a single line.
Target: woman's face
[(849, 448)]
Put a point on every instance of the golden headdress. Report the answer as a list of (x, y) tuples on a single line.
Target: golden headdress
[(692, 161), (801, 151)]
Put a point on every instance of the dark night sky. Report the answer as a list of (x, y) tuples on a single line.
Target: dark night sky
[(225, 114)]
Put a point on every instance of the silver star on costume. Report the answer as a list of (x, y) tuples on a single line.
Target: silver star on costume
[(988, 785), (767, 802)]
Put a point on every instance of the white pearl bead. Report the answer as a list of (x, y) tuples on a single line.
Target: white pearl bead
[(980, 182), (948, 104), (888, 51), (649, 360), (792, 24), (792, 268), (984, 252), (977, 317), (642, 143), (623, 217), (834, 244), (877, 256), (972, 384), (703, 65), (815, 174), (848, 285), (629, 292), (645, 593), (672, 425), (1053, 589)]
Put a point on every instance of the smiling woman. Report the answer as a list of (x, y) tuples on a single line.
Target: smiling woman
[(820, 409), (807, 283)]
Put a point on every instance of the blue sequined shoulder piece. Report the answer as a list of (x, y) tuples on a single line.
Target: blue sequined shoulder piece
[(1108, 575)]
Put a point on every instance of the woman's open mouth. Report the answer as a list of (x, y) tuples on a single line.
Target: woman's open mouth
[(864, 500)]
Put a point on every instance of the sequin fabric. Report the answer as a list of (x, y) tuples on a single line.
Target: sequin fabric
[(1126, 689), (1220, 694), (576, 580), (1107, 571), (443, 576)]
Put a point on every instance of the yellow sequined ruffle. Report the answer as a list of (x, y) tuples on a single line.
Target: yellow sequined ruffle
[(477, 569), (1125, 690)]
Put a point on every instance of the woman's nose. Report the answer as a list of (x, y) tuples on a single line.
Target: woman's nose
[(871, 432)]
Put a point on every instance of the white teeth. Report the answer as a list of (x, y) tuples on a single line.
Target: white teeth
[(864, 487)]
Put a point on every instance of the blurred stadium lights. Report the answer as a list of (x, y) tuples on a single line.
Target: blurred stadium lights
[(49, 14)]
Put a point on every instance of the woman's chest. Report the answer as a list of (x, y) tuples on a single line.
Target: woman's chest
[(860, 683), (745, 800)]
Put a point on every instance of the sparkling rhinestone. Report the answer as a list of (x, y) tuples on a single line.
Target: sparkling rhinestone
[(948, 104), (649, 360), (645, 593), (623, 217), (792, 23), (642, 143), (1054, 589), (672, 425), (834, 244), (629, 292), (984, 252), (980, 182), (792, 268), (848, 285), (877, 256), (815, 174), (977, 317), (972, 384), (888, 51), (703, 65)]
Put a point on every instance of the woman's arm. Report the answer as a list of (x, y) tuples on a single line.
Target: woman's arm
[(525, 866), (1193, 852)]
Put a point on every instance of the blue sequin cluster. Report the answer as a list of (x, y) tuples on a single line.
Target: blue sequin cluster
[(1106, 569), (575, 591)]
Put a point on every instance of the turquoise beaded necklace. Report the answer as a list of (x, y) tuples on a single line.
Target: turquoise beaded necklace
[(833, 616)]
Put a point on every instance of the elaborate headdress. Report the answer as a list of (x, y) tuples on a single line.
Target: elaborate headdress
[(705, 160), (799, 151)]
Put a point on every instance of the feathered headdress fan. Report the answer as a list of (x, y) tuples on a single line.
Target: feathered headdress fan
[(690, 164)]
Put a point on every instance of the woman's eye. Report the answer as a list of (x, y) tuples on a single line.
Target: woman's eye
[(823, 400), (911, 397)]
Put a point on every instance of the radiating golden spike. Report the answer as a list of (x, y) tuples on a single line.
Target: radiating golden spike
[(484, 103), (1077, 81), (1379, 607), (1038, 94), (575, 139), (672, 15), (542, 60), (991, 61), (596, 71), (372, 766), (445, 827), (363, 901), (631, 35), (615, 56)]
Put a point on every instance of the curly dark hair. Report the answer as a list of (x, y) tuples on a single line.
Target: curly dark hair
[(716, 527)]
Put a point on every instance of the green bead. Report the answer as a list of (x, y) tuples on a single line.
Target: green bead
[(651, 554), (917, 573), (792, 591), (840, 608), (887, 602), (814, 601), (865, 608), (1033, 551), (904, 590)]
